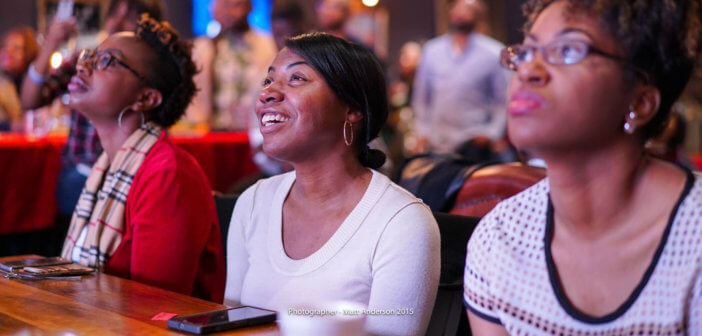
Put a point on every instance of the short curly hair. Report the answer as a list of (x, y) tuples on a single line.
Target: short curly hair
[(172, 71), (660, 36)]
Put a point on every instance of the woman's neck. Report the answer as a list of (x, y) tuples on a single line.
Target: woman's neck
[(112, 136), (590, 191), (329, 180)]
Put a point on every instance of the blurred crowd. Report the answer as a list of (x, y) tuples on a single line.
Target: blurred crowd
[(447, 94)]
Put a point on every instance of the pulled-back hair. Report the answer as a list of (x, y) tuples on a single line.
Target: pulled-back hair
[(356, 77), (662, 37), (171, 71)]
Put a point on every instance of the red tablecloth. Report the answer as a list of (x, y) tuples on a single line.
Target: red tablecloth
[(225, 157), (28, 174), (29, 171)]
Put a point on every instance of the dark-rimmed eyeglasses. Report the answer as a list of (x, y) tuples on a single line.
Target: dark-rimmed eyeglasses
[(101, 60), (561, 52)]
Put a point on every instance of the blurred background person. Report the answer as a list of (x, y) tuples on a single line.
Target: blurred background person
[(460, 90), (19, 48), (232, 65), (287, 20), (41, 86), (399, 129), (332, 16)]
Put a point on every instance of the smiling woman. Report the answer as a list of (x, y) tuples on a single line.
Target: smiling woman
[(333, 229), (146, 212), (609, 242)]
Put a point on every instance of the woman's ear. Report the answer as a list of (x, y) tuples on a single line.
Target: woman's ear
[(148, 100), (354, 116), (645, 106)]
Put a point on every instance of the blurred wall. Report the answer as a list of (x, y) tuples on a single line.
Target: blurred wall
[(15, 13)]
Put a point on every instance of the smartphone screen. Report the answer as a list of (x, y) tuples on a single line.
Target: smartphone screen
[(229, 315)]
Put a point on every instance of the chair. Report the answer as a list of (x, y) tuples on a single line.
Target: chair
[(436, 178), (225, 206), (489, 185), (449, 314)]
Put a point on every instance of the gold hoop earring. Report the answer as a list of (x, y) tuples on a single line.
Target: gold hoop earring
[(630, 128), (346, 140)]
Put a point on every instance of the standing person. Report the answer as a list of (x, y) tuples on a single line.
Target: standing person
[(146, 212), (459, 90), (332, 16), (18, 49), (232, 64), (609, 242), (334, 228), (287, 20), (39, 89)]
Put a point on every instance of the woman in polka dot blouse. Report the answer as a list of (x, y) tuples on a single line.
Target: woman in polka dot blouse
[(610, 243)]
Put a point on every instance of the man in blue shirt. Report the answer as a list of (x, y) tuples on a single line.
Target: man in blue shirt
[(460, 88)]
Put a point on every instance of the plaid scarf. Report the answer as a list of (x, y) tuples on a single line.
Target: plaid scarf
[(102, 202)]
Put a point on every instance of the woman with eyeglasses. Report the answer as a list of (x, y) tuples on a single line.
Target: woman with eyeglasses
[(610, 243), (146, 212)]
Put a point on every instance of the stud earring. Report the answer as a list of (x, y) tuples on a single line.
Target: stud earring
[(629, 128)]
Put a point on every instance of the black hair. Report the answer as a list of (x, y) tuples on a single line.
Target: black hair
[(171, 71), (135, 8), (661, 37), (354, 74)]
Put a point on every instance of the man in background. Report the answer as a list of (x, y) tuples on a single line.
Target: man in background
[(287, 20), (332, 16), (233, 65), (460, 89)]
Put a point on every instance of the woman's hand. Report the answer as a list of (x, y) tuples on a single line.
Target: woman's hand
[(58, 33)]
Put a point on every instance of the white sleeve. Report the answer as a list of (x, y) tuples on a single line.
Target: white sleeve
[(237, 254), (405, 270)]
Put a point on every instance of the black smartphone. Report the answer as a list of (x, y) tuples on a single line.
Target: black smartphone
[(219, 320)]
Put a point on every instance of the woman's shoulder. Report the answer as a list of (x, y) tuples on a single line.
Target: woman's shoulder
[(167, 156)]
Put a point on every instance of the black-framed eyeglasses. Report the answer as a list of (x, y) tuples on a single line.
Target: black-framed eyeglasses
[(101, 60), (561, 52)]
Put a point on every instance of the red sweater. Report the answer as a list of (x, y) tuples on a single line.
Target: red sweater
[(172, 238)]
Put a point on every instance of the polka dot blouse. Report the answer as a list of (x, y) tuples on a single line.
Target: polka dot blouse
[(510, 277)]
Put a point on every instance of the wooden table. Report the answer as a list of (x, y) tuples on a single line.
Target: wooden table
[(99, 304)]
